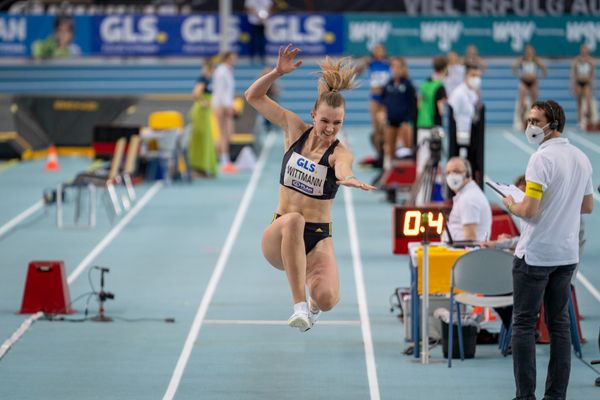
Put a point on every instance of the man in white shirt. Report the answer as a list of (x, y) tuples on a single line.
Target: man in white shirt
[(471, 215), (222, 103), (258, 12), (463, 101), (558, 190), (456, 72)]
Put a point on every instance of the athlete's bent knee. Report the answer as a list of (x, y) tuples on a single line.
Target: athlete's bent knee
[(326, 299)]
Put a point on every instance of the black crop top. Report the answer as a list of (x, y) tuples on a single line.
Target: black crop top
[(303, 175)]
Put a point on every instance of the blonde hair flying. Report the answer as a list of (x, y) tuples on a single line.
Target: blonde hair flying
[(335, 76)]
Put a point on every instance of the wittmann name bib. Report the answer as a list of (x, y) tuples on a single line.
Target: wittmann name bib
[(305, 175)]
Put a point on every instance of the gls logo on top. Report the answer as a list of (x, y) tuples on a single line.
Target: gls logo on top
[(314, 34), (131, 29), (205, 29), (305, 164)]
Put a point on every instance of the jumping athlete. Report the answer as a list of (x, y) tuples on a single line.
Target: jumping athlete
[(298, 240)]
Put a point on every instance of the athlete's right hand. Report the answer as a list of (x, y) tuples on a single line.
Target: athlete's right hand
[(285, 60)]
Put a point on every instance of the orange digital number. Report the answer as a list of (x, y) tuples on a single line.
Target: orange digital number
[(437, 223), (412, 223)]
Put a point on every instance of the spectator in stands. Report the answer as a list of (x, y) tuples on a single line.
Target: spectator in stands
[(258, 12), (202, 152), (463, 101), (527, 69), (583, 82), (471, 214), (472, 58), (430, 110), (60, 43), (399, 99), (378, 70), (456, 72), (222, 103), (298, 240), (432, 96)]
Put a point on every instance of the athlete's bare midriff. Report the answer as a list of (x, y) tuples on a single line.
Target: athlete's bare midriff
[(313, 210)]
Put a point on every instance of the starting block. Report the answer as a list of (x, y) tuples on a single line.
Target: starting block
[(46, 289)]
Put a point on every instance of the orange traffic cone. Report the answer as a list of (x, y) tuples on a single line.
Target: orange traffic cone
[(52, 161)]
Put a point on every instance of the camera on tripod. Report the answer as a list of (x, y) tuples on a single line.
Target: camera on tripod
[(103, 296), (435, 145)]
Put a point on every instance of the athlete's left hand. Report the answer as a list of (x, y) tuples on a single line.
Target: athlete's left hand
[(355, 183)]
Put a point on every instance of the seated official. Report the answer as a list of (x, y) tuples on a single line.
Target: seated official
[(471, 215)]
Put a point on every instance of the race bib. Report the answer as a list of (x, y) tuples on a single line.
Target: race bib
[(305, 175)]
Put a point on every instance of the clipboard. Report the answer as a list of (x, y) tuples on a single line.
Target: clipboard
[(504, 190)]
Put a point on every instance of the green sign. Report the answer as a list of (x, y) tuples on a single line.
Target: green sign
[(506, 36)]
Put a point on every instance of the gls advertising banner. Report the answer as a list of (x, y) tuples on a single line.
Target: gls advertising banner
[(551, 36), (198, 35), (151, 35)]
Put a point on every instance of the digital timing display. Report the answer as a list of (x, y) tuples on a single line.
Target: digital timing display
[(413, 219), (409, 225)]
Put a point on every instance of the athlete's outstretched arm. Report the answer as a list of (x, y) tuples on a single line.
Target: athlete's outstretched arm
[(256, 94), (343, 171)]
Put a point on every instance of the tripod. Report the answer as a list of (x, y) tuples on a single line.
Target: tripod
[(423, 188), (103, 296)]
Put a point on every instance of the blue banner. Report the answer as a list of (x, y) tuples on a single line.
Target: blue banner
[(315, 34), (43, 36), (151, 35), (198, 35)]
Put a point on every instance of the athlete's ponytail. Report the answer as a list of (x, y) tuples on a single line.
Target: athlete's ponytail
[(336, 75)]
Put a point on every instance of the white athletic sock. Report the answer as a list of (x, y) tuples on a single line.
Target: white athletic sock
[(301, 307)]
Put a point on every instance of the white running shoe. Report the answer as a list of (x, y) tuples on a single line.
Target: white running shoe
[(300, 320)]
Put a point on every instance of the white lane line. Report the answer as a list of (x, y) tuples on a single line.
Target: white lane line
[(361, 295), (114, 232), (580, 277), (274, 322), (17, 220), (588, 285), (511, 138), (8, 343), (82, 265), (583, 141), (218, 271)]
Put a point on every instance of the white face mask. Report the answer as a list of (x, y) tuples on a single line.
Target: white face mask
[(535, 134), (474, 82), (455, 181)]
